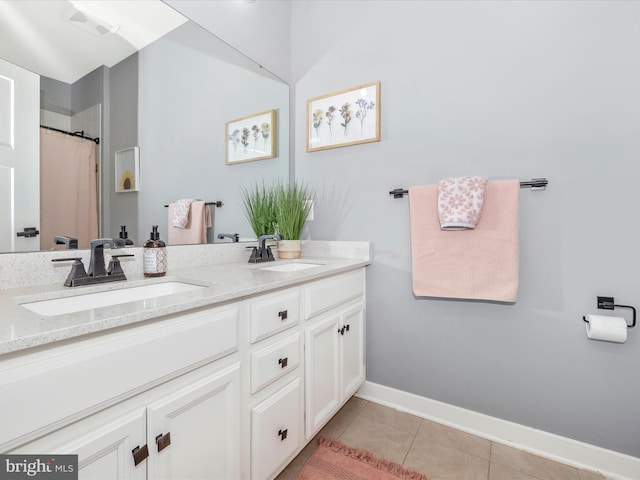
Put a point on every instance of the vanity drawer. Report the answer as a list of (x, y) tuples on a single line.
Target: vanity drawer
[(325, 294), (47, 389), (273, 313), (274, 361), (275, 425)]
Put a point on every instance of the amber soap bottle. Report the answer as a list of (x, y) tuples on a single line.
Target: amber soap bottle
[(154, 255)]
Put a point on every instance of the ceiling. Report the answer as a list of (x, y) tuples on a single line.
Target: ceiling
[(65, 40)]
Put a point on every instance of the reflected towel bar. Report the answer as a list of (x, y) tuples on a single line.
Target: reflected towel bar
[(217, 204), (533, 184)]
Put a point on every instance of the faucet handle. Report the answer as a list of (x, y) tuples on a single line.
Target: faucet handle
[(114, 267), (77, 270)]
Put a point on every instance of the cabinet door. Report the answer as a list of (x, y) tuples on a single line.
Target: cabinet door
[(352, 350), (105, 454), (322, 387), (275, 431), (194, 433)]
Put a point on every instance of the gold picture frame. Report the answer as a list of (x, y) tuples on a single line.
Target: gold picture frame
[(250, 138), (347, 117)]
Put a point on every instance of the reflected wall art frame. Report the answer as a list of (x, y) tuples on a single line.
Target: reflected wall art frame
[(127, 168), (250, 138), (347, 117)]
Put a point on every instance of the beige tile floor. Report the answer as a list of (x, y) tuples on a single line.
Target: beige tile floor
[(440, 452)]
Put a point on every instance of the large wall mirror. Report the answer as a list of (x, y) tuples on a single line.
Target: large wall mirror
[(168, 91)]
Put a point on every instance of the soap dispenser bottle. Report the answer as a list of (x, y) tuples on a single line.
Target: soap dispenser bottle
[(124, 236), (154, 255)]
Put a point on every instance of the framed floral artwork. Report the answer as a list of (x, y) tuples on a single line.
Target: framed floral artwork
[(348, 117), (127, 168), (251, 138)]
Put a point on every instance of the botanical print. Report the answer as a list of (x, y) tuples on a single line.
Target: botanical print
[(250, 138), (362, 102)]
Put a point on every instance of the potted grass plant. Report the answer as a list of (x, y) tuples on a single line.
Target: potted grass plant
[(258, 205), (293, 203)]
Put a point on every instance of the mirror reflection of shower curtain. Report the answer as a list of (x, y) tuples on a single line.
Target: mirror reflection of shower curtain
[(68, 189)]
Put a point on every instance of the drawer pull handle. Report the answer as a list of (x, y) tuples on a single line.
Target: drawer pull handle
[(283, 315), (140, 453), (343, 329), (283, 362), (163, 441), (282, 434)]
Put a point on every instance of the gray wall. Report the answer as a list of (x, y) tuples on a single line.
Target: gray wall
[(260, 30), (123, 123), (506, 90)]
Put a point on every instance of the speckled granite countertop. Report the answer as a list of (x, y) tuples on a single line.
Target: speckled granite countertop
[(21, 329)]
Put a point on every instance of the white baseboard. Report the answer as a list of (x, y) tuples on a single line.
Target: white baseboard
[(613, 465)]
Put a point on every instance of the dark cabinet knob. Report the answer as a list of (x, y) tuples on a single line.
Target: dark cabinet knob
[(283, 362), (282, 434), (283, 315)]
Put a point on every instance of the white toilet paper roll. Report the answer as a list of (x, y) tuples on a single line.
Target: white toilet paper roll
[(608, 329)]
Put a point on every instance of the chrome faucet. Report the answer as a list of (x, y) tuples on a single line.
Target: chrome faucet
[(262, 253), (97, 272)]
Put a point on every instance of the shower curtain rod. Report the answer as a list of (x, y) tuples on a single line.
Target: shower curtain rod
[(75, 134), (533, 184)]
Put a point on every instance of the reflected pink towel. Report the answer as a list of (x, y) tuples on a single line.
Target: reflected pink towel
[(479, 264), (195, 231)]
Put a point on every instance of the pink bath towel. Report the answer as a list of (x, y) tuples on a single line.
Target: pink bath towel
[(195, 230), (478, 264)]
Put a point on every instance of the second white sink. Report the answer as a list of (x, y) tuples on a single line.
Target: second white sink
[(291, 267), (77, 303)]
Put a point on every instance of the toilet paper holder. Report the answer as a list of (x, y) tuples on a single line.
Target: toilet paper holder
[(607, 303)]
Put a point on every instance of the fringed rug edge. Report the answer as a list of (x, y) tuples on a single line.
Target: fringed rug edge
[(371, 459)]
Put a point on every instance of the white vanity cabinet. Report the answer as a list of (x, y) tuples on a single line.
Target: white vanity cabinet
[(212, 393), (334, 346), (170, 389)]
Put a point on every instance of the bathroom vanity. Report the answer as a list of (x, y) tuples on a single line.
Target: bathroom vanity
[(230, 380)]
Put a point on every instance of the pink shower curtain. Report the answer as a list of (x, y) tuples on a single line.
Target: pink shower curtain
[(68, 189)]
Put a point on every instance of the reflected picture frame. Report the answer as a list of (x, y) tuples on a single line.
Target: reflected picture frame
[(250, 138), (127, 170), (347, 117)]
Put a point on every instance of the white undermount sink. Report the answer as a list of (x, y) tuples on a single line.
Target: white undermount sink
[(88, 301), (291, 267)]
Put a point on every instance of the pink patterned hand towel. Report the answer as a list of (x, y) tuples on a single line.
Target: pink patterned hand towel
[(460, 201), (478, 264), (181, 210)]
